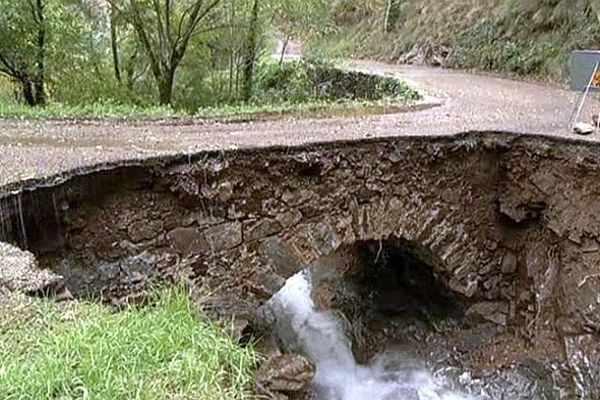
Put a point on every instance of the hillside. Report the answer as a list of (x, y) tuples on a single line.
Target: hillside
[(531, 38)]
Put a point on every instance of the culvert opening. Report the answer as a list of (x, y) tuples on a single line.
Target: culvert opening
[(397, 279), (325, 313)]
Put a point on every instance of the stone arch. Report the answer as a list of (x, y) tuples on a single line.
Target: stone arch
[(453, 254)]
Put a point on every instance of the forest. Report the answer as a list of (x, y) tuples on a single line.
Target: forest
[(180, 53)]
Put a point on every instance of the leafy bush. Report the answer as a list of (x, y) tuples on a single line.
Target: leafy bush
[(291, 81), (301, 81)]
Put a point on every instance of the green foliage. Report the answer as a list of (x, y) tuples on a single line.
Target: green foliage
[(106, 109), (299, 81), (517, 37), (96, 63), (292, 88), (301, 19), (394, 88), (85, 351), (291, 82), (18, 34)]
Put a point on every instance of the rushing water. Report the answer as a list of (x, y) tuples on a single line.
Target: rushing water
[(321, 335)]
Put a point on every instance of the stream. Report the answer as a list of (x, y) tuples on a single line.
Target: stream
[(322, 336)]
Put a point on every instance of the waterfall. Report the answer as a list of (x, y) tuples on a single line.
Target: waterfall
[(321, 336)]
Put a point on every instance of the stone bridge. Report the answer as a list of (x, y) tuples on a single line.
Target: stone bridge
[(509, 221), (505, 219)]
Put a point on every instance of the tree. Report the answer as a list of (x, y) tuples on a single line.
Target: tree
[(299, 19), (23, 47), (114, 44), (251, 53), (164, 29)]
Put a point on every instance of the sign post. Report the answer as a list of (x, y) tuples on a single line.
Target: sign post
[(584, 77)]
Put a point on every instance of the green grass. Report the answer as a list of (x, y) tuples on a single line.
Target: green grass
[(225, 112), (297, 88), (85, 351), (516, 38), (14, 110)]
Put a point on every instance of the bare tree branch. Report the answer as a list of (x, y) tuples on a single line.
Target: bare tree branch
[(8, 68), (164, 47)]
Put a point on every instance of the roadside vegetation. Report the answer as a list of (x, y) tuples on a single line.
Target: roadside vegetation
[(81, 350), (531, 38), (167, 58), (303, 88), (211, 58)]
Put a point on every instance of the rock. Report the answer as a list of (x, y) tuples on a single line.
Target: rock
[(192, 241), (583, 356), (509, 263), (492, 282), (144, 230), (487, 311), (468, 289), (583, 128), (289, 218), (224, 236), (323, 296), (283, 376), (284, 259), (225, 191), (260, 229), (19, 271), (530, 379), (266, 283), (187, 241), (296, 197)]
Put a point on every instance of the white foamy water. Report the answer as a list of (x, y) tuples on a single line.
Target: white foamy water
[(321, 336)]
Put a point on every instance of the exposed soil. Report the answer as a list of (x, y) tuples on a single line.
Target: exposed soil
[(506, 225)]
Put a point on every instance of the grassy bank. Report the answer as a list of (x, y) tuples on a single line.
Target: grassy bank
[(296, 88), (522, 38), (242, 112), (85, 351)]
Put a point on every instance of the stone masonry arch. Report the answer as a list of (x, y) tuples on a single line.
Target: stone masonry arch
[(410, 220), (512, 222)]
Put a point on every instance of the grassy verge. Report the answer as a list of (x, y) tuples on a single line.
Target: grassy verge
[(296, 88), (242, 112), (85, 351)]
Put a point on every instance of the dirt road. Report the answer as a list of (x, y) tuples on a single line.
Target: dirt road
[(467, 102)]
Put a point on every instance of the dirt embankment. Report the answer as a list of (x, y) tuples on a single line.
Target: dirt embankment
[(524, 38), (509, 224)]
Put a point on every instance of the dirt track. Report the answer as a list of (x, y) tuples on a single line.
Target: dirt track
[(467, 102)]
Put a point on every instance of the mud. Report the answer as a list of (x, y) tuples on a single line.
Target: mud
[(509, 224)]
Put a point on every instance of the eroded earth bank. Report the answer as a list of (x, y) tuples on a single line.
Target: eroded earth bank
[(478, 252)]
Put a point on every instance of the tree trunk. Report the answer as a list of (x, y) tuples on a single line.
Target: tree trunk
[(251, 49), (283, 49), (114, 46), (27, 89), (40, 93), (165, 88), (386, 17), (231, 49)]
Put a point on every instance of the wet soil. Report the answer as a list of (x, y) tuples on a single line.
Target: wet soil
[(508, 224)]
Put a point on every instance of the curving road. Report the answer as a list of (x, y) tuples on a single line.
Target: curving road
[(457, 102)]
